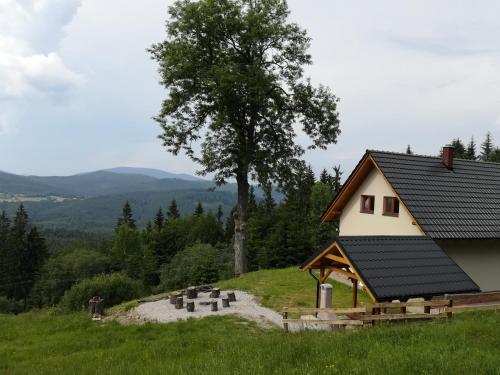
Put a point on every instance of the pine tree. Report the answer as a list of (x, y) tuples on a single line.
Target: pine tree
[(487, 147), (198, 210), (495, 155), (149, 228), (173, 211), (409, 151), (470, 152), (127, 217), (4, 252), (459, 148), (159, 220), (26, 251), (220, 215), (337, 179), (325, 177)]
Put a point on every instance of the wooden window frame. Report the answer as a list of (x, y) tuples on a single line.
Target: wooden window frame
[(391, 212), (362, 208)]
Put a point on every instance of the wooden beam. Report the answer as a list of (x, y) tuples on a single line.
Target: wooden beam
[(322, 275), (347, 274), (338, 322), (337, 310), (401, 316), (337, 259), (439, 303), (354, 293)]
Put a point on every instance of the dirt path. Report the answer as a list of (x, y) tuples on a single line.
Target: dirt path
[(246, 306)]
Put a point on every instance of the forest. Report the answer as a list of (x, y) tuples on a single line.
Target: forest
[(171, 251)]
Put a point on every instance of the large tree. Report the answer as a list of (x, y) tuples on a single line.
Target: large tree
[(234, 74)]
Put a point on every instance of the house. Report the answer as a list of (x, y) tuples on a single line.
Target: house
[(416, 226)]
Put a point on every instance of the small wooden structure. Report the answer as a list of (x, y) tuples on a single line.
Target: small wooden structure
[(333, 259), (391, 268)]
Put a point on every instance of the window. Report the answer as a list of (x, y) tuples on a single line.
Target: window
[(391, 206), (367, 204)]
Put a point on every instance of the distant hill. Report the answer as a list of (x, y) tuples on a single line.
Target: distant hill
[(100, 213), (15, 184), (156, 173), (93, 201)]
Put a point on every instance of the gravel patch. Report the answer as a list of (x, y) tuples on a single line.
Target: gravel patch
[(245, 306)]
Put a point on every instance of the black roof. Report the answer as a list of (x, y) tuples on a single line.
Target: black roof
[(401, 267), (461, 203)]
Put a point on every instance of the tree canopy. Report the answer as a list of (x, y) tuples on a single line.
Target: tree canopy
[(234, 74)]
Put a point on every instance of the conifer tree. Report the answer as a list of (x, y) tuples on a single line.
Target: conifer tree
[(220, 215), (4, 252), (324, 177), (459, 148), (409, 151), (495, 155), (127, 217), (173, 211), (25, 253), (337, 179), (149, 228), (159, 220), (198, 210), (487, 147), (470, 152)]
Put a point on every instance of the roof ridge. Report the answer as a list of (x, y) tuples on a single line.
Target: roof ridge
[(432, 157)]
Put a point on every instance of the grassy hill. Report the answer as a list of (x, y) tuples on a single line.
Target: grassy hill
[(44, 343)]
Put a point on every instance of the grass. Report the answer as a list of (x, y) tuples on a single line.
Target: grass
[(289, 287), (44, 343), (38, 343)]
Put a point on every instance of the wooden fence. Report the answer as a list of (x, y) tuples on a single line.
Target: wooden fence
[(379, 312)]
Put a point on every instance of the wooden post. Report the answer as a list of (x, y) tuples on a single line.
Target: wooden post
[(190, 306), (427, 309), (179, 303), (214, 306), (354, 293), (285, 324), (402, 310), (231, 296), (322, 275), (191, 293), (215, 293), (450, 313)]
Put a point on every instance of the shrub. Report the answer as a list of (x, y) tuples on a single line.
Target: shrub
[(197, 264), (114, 289), (62, 271), (10, 306)]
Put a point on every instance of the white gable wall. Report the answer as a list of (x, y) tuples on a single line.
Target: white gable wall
[(354, 223)]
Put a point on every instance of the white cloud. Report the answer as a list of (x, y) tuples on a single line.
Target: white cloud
[(30, 31)]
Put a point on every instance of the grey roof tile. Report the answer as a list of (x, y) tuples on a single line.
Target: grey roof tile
[(401, 267)]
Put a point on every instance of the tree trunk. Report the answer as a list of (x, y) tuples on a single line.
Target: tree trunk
[(240, 226)]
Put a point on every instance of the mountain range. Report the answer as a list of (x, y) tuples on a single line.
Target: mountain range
[(93, 201)]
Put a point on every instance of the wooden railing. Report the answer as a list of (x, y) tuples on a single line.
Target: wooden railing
[(378, 312), (370, 314)]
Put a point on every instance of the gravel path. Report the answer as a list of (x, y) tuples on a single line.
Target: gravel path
[(245, 306)]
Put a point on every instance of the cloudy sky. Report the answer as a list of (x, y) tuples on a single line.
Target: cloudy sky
[(78, 90)]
